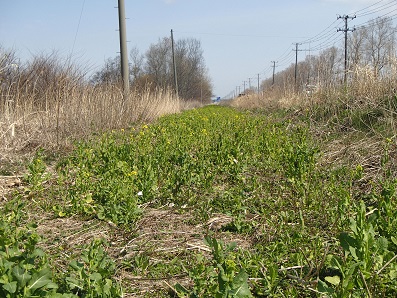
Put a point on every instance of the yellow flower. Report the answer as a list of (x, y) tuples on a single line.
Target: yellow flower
[(133, 173)]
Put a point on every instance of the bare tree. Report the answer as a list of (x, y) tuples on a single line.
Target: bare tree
[(380, 43), (110, 72), (159, 63), (373, 45), (137, 63), (155, 69), (193, 80)]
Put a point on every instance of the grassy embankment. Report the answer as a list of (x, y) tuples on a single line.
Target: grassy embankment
[(306, 217)]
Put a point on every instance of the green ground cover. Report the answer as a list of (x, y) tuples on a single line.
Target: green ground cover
[(310, 230)]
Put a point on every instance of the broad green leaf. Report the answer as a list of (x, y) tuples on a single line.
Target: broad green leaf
[(240, 288), (21, 275), (38, 253), (95, 276), (73, 283), (11, 287), (347, 242), (324, 288), (40, 279), (393, 274), (382, 244), (51, 285), (4, 279), (334, 280), (107, 288), (76, 265)]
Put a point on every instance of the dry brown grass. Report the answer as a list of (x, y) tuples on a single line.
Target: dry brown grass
[(48, 104), (77, 113), (364, 89)]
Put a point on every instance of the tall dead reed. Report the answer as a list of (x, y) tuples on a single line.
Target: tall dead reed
[(49, 103)]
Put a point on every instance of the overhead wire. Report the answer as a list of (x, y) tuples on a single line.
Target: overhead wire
[(78, 27), (365, 8), (382, 16), (320, 35), (377, 9)]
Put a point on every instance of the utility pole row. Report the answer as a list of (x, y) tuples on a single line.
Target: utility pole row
[(345, 30)]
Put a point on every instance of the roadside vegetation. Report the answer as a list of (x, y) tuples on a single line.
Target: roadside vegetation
[(284, 193)]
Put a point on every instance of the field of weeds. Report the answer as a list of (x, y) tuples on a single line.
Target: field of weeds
[(210, 202)]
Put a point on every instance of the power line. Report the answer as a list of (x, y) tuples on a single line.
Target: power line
[(78, 27), (382, 16), (320, 35), (377, 9), (365, 8)]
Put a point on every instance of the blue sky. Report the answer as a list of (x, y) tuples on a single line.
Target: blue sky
[(239, 38)]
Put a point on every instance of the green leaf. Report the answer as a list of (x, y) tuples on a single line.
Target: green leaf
[(11, 287), (394, 240), (76, 265), (346, 241), (96, 276), (38, 253), (240, 288), (324, 288), (21, 275), (382, 244), (334, 280), (181, 290), (40, 279)]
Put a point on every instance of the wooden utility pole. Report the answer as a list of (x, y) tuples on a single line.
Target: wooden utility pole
[(258, 83), (296, 63), (346, 29), (174, 64), (274, 70), (123, 49)]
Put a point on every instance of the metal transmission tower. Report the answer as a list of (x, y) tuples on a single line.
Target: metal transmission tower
[(123, 49), (346, 29)]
